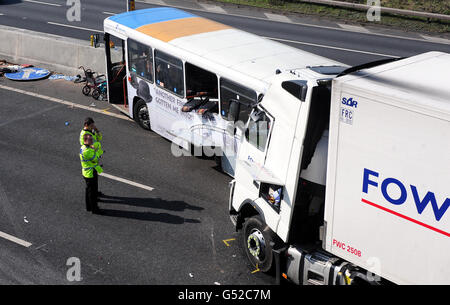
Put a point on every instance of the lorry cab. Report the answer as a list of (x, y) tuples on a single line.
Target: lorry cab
[(291, 120), (342, 176)]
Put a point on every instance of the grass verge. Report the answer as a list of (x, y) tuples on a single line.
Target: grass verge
[(405, 23)]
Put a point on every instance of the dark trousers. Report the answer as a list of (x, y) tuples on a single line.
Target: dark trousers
[(92, 192)]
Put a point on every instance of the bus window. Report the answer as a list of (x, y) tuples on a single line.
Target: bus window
[(140, 59), (169, 73), (201, 89), (200, 81), (232, 91)]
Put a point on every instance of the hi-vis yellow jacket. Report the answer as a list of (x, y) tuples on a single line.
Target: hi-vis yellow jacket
[(89, 161), (96, 137)]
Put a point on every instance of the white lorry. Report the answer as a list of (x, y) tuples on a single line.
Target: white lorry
[(346, 180)]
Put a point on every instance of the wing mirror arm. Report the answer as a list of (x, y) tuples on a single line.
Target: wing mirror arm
[(233, 110)]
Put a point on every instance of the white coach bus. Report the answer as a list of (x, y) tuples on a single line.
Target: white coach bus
[(190, 79)]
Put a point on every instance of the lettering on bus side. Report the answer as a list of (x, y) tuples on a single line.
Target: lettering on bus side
[(171, 103)]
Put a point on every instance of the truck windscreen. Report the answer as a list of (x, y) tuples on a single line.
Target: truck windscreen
[(328, 70)]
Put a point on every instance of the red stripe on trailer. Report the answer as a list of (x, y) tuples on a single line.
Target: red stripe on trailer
[(405, 217)]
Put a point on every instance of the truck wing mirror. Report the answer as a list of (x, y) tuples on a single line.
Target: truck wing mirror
[(233, 110), (297, 88)]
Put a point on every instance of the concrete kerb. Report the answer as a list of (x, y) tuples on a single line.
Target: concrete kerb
[(52, 52)]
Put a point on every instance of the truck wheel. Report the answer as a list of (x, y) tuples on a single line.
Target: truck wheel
[(256, 239), (141, 115)]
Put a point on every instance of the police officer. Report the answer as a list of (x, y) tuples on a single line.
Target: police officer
[(90, 128), (90, 170)]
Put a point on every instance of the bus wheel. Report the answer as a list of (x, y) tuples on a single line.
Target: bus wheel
[(141, 115), (255, 240)]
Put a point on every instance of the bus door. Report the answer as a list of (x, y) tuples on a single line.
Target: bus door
[(115, 69), (140, 77), (236, 103)]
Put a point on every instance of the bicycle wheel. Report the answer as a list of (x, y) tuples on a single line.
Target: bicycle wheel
[(86, 90), (96, 94)]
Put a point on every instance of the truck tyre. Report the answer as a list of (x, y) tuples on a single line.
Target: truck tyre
[(141, 115), (256, 238)]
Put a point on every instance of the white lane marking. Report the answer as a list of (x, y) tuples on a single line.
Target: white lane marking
[(292, 22), (74, 27), (157, 2), (354, 28), (285, 40), (1, 14), (436, 39), (330, 47), (109, 13), (60, 101), (273, 38), (212, 8), (279, 18), (15, 239), (145, 187), (40, 2)]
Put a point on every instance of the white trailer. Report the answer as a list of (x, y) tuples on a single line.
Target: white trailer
[(349, 180)]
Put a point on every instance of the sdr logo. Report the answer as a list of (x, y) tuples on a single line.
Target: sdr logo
[(349, 102)]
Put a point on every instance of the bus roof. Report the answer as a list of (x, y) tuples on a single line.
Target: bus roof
[(220, 44)]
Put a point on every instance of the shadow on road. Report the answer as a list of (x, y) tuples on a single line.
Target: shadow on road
[(155, 203), (10, 1)]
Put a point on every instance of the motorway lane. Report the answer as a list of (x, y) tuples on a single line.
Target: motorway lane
[(156, 237), (92, 16)]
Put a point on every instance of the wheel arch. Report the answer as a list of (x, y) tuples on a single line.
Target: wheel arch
[(135, 102), (246, 210)]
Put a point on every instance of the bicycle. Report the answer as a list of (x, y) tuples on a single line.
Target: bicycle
[(93, 82)]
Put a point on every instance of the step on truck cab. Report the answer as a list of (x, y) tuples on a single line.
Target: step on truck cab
[(344, 178)]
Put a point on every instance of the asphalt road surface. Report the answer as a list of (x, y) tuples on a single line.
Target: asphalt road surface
[(172, 234)]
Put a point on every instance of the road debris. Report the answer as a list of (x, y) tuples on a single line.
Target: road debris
[(28, 74), (61, 76)]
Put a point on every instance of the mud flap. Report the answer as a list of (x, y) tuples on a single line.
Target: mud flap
[(278, 261)]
